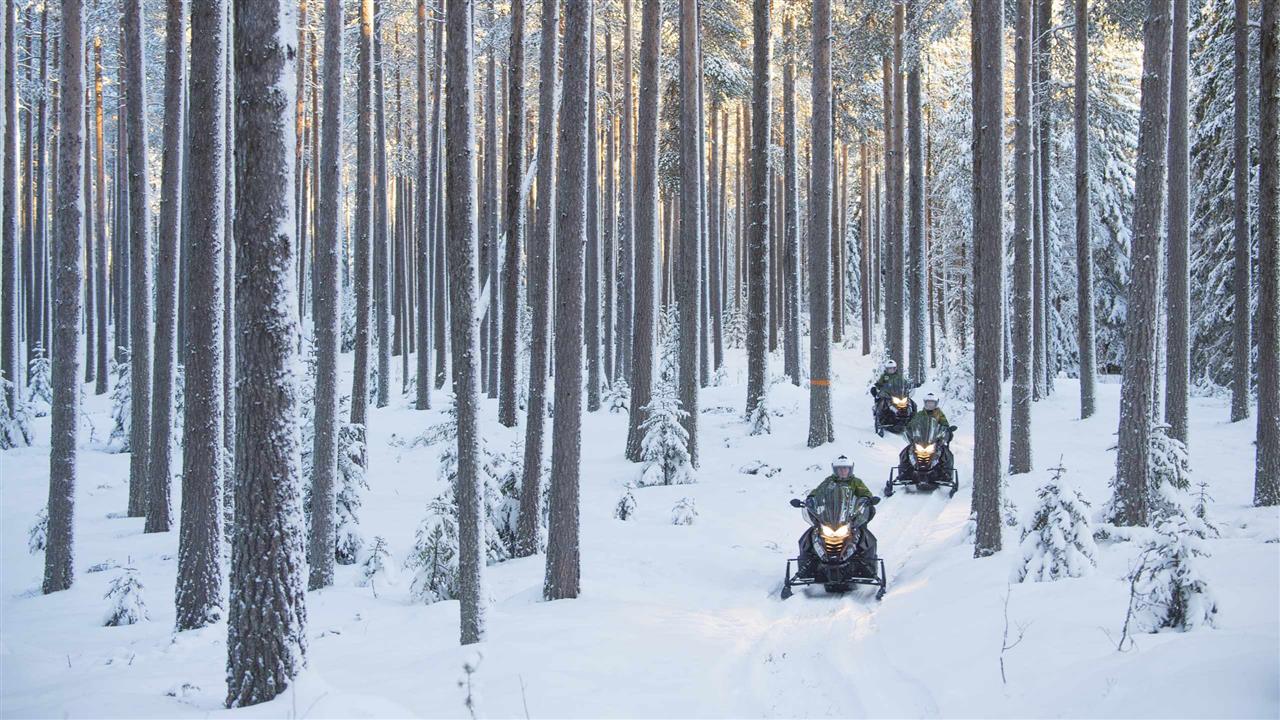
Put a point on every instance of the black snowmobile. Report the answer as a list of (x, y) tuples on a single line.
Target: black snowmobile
[(926, 462), (894, 407), (837, 551)]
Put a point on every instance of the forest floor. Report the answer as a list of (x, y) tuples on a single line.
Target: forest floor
[(678, 621)]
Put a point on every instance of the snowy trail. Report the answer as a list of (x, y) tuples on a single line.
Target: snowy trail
[(679, 621)]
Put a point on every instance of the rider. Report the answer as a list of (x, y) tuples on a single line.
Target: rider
[(932, 410), (890, 373), (842, 473)]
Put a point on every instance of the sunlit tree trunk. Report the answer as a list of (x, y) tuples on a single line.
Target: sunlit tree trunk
[(820, 424)]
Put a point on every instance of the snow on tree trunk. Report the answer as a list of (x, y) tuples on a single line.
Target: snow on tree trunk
[(539, 271), (159, 462), (758, 204), (515, 220), (266, 627), (563, 572), (688, 281), (381, 249), (640, 363), (791, 211), (1133, 456), (1266, 489), (421, 207), (1177, 278), (987, 19), (460, 137), (67, 269), (199, 584), (626, 209), (820, 424), (1020, 425), (362, 234), (140, 264), (1057, 540), (324, 451)]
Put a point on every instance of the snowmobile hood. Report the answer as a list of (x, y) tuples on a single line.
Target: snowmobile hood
[(924, 430)]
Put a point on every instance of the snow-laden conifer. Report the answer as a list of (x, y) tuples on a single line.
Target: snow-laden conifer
[(351, 486), (121, 404), (39, 387), (38, 533), (377, 570), (626, 507), (664, 451), (127, 604), (1057, 540), (684, 512), (1169, 589), (15, 417)]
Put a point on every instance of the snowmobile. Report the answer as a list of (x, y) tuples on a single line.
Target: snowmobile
[(837, 551), (926, 462), (894, 407)]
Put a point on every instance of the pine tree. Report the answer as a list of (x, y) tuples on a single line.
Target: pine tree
[(65, 413), (515, 219), (820, 424), (758, 208), (1241, 281), (9, 276), (266, 626), (1084, 244), (1266, 489), (1177, 277)]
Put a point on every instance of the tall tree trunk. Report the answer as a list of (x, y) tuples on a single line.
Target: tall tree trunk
[(563, 571), (897, 318), (361, 234), (758, 204), (229, 362), (381, 247), (266, 628), (539, 253), (715, 221), (820, 425), (324, 454), (422, 215), (461, 188), (40, 316), (1020, 426), (100, 247), (626, 215), (439, 283), (159, 470), (1266, 484), (917, 289), (688, 281), (9, 278), (489, 225), (140, 270), (591, 280), (1133, 455), (1240, 215), (1043, 381), (607, 262), (65, 410), (1084, 248), (988, 269), (90, 275), (791, 212), (645, 220), (864, 256), (198, 589), (1177, 278), (514, 218)]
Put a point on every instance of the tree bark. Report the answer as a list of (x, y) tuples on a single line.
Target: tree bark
[(199, 586), (896, 314), (461, 210), (821, 429), (266, 628), (324, 455), (422, 214), (688, 280), (140, 270), (563, 572), (439, 283), (489, 225), (1043, 379), (758, 203), (9, 277), (645, 223), (159, 470), (1266, 488), (1240, 215), (514, 219), (361, 234), (608, 276), (65, 410), (988, 269), (381, 243), (591, 280), (539, 270), (626, 214), (917, 289), (1177, 278), (715, 222), (791, 212), (1084, 248), (1133, 455), (1020, 424)]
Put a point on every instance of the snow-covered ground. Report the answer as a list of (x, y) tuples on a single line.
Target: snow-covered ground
[(678, 621)]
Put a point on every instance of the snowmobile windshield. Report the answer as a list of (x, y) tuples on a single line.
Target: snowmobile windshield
[(898, 389), (925, 430), (833, 505)]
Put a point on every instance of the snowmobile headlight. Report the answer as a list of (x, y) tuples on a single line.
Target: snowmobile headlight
[(900, 402), (924, 451), (840, 532)]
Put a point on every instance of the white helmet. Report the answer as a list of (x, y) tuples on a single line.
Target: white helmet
[(891, 366), (842, 461), (930, 398)]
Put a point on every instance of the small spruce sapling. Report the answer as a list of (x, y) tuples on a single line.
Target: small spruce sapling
[(351, 476), (38, 534), (39, 385), (121, 404), (626, 508), (377, 568), (684, 512), (1057, 541), (1168, 589), (127, 604), (15, 418)]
